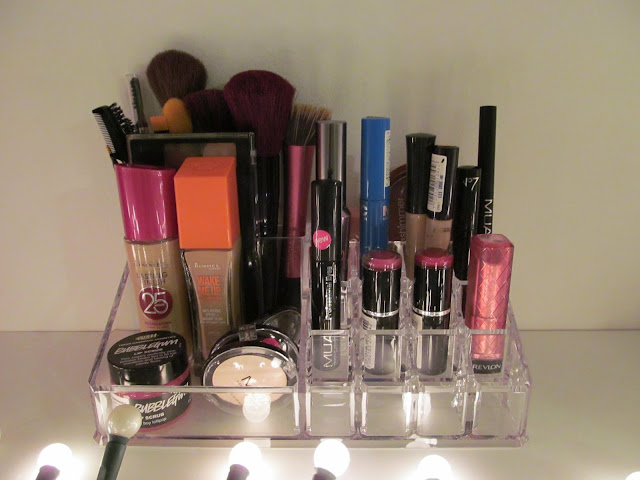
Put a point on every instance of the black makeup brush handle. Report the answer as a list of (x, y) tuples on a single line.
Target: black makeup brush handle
[(112, 458)]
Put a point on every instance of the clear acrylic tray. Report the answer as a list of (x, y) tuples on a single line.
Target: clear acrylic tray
[(397, 408)]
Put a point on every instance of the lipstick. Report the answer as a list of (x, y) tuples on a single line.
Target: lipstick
[(432, 307), (442, 177), (331, 164), (486, 161), (490, 262), (419, 151), (381, 274), (374, 183)]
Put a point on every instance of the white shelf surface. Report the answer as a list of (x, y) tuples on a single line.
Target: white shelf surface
[(584, 417)]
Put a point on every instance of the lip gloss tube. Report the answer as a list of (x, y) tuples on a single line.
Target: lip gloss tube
[(419, 151), (326, 240), (381, 275), (432, 307), (442, 178), (490, 263), (374, 183)]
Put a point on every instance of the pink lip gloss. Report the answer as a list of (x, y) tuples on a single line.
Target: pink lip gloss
[(490, 262)]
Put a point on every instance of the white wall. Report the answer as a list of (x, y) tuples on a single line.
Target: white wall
[(564, 75)]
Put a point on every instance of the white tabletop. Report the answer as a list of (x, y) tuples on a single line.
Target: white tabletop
[(584, 417)]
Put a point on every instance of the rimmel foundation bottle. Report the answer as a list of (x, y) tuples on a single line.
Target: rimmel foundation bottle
[(209, 228), (148, 207), (442, 180)]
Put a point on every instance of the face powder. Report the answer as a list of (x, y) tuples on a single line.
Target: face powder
[(151, 358), (252, 356)]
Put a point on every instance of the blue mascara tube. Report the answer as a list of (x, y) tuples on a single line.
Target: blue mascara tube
[(374, 184)]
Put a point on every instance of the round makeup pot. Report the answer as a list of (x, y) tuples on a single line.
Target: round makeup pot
[(252, 356), (151, 358)]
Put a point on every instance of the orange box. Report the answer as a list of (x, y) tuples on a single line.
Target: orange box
[(207, 203)]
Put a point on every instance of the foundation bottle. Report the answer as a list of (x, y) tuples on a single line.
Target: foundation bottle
[(147, 201), (209, 232)]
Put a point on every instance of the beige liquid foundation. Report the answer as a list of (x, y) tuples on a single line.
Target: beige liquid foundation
[(209, 227), (442, 179), (148, 208)]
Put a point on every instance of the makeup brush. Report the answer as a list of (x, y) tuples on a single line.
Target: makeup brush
[(298, 163), (123, 422), (261, 101), (174, 74), (209, 111)]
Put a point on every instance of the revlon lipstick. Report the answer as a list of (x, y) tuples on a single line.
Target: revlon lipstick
[(381, 275), (148, 206), (419, 151), (486, 161), (207, 201), (432, 307), (374, 183), (326, 207), (442, 177), (331, 164), (490, 261)]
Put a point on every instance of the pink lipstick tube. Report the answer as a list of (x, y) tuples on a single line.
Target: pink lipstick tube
[(490, 262)]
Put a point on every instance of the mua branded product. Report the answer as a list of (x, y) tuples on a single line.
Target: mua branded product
[(147, 202), (374, 183), (151, 358), (261, 101), (171, 150), (137, 105), (331, 164), (487, 161), (442, 180), (419, 150), (381, 275), (397, 204), (209, 232), (175, 74), (432, 308), (465, 220), (326, 244), (490, 263), (298, 163), (252, 356)]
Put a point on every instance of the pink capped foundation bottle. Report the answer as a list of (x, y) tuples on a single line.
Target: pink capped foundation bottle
[(147, 201)]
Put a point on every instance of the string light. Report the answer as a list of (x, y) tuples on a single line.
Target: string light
[(53, 460), (633, 476), (245, 458), (331, 459), (434, 467), (123, 422)]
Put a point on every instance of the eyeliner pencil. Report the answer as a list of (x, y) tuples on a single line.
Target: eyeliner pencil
[(486, 161)]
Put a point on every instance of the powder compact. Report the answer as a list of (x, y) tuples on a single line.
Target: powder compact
[(151, 358)]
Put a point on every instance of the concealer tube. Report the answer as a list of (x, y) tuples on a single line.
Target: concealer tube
[(442, 179), (147, 201), (209, 228), (419, 151)]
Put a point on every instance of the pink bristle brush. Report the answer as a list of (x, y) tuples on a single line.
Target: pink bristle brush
[(261, 101), (209, 111), (175, 74)]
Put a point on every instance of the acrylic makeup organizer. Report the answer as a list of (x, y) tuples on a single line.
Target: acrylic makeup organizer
[(395, 407)]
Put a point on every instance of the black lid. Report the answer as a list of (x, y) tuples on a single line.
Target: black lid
[(326, 232), (148, 358), (381, 278), (465, 220), (442, 182), (419, 150), (432, 280), (331, 153)]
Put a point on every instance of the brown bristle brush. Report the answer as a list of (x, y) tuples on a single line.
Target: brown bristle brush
[(261, 101), (175, 74), (298, 163), (209, 111)]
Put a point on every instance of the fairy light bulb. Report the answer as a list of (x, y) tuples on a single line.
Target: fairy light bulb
[(256, 407), (434, 467), (53, 460), (244, 458), (331, 459), (633, 476), (123, 422)]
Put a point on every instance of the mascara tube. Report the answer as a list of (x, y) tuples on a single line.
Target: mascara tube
[(486, 161), (442, 177), (326, 239), (381, 275), (490, 262), (432, 307), (374, 183)]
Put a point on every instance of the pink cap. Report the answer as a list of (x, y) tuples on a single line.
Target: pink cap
[(434, 258), (381, 261), (148, 202)]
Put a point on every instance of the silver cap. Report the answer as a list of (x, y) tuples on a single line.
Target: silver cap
[(331, 153)]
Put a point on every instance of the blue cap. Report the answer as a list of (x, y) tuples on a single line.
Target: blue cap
[(375, 161)]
